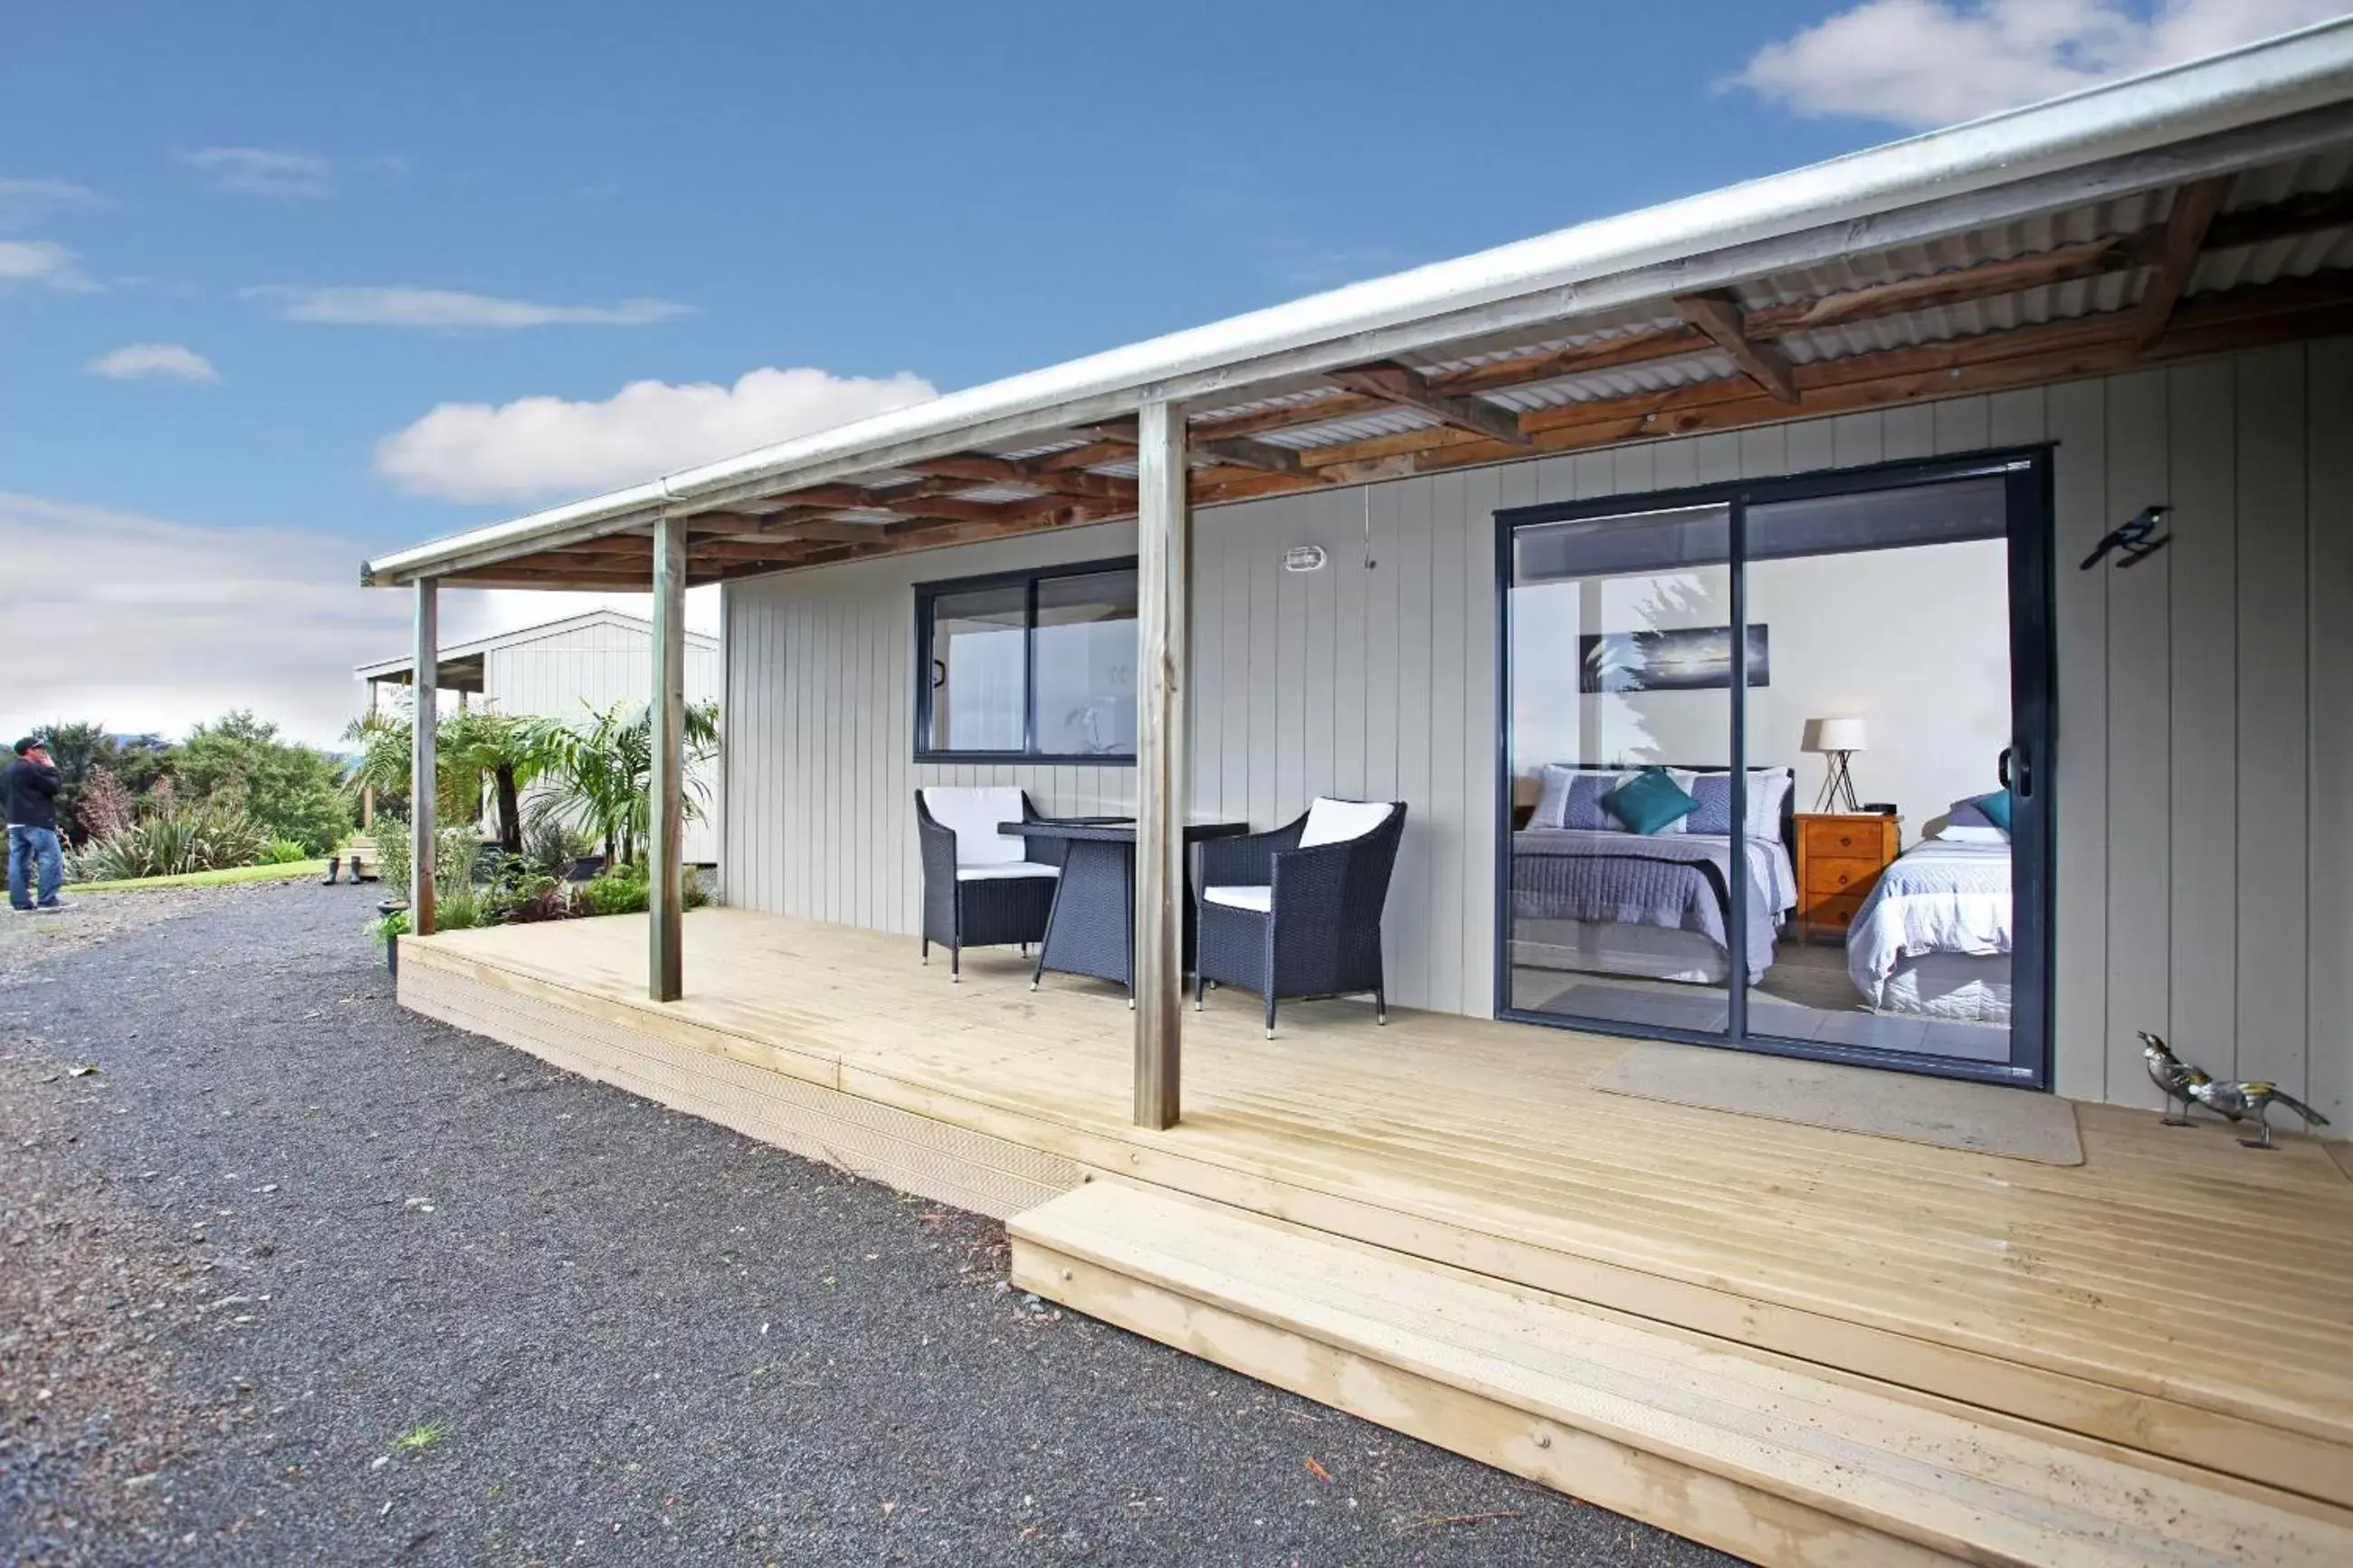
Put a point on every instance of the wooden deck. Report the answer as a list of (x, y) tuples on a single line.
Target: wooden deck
[(2175, 1296)]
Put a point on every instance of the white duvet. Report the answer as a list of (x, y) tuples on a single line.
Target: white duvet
[(1938, 897)]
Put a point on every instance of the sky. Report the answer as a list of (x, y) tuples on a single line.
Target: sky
[(286, 285)]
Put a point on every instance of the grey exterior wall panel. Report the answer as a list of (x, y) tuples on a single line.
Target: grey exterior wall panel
[(2204, 855)]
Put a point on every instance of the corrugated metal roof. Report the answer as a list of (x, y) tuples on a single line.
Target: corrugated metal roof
[(2277, 118), (2239, 266)]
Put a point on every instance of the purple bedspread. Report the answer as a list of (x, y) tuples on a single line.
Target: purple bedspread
[(1653, 880)]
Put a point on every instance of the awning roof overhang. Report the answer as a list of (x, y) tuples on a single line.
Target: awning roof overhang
[(2051, 240)]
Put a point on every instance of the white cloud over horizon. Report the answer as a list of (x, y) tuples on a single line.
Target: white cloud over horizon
[(404, 305), (263, 170), (43, 262), (149, 624), (537, 447), (135, 360), (29, 201), (1928, 63)]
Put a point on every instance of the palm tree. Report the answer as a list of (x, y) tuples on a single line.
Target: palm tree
[(602, 769), (481, 742), (468, 745)]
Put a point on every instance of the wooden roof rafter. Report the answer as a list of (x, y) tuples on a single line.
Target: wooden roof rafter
[(1720, 316), (2071, 347), (2194, 208), (1405, 387), (929, 501)]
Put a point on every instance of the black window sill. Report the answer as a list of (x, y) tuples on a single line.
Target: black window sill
[(1029, 758)]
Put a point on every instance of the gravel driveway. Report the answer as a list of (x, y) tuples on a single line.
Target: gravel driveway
[(294, 1277)]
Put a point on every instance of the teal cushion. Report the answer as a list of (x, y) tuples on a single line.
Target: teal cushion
[(1649, 802), (1996, 806)]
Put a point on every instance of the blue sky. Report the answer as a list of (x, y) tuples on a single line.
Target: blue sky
[(313, 225)]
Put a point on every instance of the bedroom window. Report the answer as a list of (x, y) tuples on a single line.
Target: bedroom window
[(1762, 766), (1028, 666)]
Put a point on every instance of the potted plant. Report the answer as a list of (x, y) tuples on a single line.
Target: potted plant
[(389, 931)]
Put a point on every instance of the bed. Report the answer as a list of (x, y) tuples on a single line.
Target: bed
[(1933, 938), (1599, 899)]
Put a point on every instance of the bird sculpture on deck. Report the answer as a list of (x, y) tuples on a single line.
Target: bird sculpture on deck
[(2238, 1102)]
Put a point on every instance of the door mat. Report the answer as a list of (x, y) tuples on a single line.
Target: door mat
[(1981, 1118)]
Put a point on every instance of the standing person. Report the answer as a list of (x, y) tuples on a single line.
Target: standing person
[(28, 792)]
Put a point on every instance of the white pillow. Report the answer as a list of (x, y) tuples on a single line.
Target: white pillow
[(1552, 795), (1953, 834), (1333, 821), (972, 814), (1768, 787)]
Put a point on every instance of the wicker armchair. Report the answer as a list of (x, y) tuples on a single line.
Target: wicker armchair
[(980, 886), (1297, 912)]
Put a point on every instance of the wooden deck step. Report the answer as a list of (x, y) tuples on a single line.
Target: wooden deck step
[(1762, 1456)]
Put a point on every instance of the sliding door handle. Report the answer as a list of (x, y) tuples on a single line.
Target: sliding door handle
[(2017, 772)]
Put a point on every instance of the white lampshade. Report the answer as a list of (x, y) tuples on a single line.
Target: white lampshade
[(1839, 735)]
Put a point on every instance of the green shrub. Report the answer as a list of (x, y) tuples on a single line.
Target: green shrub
[(391, 834), (292, 791), (695, 894), (552, 848), (281, 852), (617, 892), (391, 925), (454, 850), (211, 836), (459, 910), (527, 898)]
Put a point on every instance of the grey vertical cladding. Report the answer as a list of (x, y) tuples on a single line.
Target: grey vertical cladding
[(2204, 876)]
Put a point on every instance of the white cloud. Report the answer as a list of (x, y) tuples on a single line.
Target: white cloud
[(1934, 62), (146, 623), (42, 261), (539, 447), (28, 200), (150, 625), (263, 170), (401, 306), (155, 359)]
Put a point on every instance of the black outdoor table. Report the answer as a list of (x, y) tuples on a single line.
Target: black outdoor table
[(1091, 930)]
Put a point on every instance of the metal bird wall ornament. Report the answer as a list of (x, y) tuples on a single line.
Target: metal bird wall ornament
[(2137, 540), (2250, 1101)]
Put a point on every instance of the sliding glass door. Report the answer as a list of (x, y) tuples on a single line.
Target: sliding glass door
[(1821, 834)]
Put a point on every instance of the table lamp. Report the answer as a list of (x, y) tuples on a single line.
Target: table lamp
[(1839, 740)]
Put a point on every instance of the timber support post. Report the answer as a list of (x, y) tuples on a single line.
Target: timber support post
[(1163, 613), (424, 770), (666, 878)]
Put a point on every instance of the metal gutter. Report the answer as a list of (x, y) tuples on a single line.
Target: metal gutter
[(2272, 98)]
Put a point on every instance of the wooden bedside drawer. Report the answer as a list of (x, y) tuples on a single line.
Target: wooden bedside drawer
[(1826, 877), (1835, 913), (1826, 840), (1840, 858)]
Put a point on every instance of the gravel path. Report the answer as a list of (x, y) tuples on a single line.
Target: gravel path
[(295, 1277)]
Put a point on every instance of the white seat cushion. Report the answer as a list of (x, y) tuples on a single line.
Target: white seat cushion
[(1006, 869), (972, 814), (1337, 821), (1241, 898)]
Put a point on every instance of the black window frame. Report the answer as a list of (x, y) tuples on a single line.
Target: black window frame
[(2030, 474), (1027, 579)]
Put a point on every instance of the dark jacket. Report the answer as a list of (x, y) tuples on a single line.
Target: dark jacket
[(28, 792)]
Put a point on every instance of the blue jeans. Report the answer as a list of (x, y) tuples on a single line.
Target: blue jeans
[(28, 846)]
